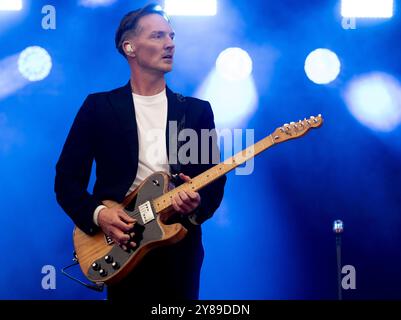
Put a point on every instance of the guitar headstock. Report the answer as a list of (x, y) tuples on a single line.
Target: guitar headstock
[(296, 129)]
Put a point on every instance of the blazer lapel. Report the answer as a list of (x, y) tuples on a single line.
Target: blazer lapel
[(123, 105)]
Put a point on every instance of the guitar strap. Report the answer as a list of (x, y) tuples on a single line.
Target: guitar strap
[(175, 166)]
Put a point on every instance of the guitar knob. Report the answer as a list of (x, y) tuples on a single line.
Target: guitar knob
[(103, 272), (108, 259), (115, 265), (95, 266)]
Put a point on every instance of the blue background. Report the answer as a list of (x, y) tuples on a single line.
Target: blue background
[(272, 236)]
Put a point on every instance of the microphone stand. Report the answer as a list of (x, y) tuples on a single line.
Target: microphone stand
[(338, 228)]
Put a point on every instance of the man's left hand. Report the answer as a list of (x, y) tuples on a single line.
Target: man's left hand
[(186, 201)]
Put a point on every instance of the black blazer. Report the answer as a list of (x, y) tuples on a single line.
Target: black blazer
[(105, 130)]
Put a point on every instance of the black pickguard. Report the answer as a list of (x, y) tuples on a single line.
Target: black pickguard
[(152, 188)]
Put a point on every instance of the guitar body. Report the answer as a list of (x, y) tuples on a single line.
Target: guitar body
[(103, 261)]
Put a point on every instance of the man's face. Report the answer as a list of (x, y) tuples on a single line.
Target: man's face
[(154, 44)]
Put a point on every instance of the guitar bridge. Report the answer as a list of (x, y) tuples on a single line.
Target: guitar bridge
[(146, 212)]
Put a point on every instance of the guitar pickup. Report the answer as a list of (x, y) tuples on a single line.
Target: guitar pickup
[(146, 212)]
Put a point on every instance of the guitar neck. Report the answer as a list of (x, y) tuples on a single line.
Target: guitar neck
[(163, 203), (293, 130)]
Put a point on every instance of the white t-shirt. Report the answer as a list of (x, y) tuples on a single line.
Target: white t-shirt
[(151, 120)]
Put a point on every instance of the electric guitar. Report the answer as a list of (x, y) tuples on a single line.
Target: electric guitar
[(103, 261)]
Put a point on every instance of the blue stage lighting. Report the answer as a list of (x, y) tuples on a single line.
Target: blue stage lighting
[(375, 100), (96, 3), (10, 5), (34, 63), (231, 88), (234, 64), (367, 8), (322, 66), (11, 79), (191, 7), (233, 102)]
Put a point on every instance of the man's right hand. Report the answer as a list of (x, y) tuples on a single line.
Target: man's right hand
[(118, 225)]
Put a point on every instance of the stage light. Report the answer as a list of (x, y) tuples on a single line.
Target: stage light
[(375, 100), (367, 8), (234, 64), (96, 3), (34, 63), (322, 66), (231, 88), (232, 101), (191, 7), (10, 5)]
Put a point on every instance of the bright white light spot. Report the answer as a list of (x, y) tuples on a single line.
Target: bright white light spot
[(322, 66), (10, 5), (233, 102), (234, 64), (96, 3), (367, 8), (34, 63), (375, 100), (11, 79), (191, 7)]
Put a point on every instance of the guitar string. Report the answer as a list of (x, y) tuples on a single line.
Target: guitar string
[(134, 214)]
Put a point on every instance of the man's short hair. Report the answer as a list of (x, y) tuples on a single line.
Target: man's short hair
[(129, 23)]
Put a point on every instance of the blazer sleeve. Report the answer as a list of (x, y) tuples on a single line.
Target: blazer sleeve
[(212, 194), (74, 167)]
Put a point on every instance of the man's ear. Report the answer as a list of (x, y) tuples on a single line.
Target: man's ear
[(129, 49)]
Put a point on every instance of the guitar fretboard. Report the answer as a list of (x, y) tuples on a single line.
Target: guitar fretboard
[(164, 202)]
